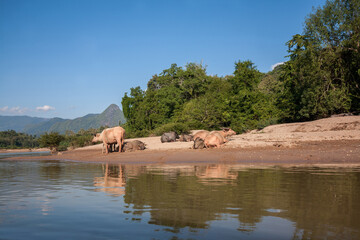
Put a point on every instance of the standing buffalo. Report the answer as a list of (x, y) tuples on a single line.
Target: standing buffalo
[(169, 137), (112, 147), (133, 146), (110, 136)]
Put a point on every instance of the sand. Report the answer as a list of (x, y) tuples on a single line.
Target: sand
[(330, 141)]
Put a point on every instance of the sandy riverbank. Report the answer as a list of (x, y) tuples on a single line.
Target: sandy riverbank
[(24, 150), (333, 140)]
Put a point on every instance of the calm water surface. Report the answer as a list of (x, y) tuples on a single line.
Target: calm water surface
[(22, 154), (69, 200)]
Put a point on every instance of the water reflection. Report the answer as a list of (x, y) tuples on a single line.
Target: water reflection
[(165, 201), (113, 181), (319, 202)]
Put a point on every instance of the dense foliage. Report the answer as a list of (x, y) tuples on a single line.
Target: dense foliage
[(70, 139), (182, 99), (12, 139), (51, 140), (80, 139), (321, 78), (60, 142)]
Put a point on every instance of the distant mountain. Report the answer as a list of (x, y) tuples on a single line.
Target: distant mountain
[(18, 123), (112, 116), (40, 128)]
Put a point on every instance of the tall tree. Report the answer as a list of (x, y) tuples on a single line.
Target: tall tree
[(249, 107), (211, 109), (322, 76), (132, 108)]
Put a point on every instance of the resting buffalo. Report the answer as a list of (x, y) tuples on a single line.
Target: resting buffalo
[(201, 134), (225, 132), (110, 136), (185, 138), (199, 143), (214, 139), (133, 146), (217, 138), (169, 137)]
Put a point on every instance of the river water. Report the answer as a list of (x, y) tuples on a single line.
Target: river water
[(72, 200), (23, 154)]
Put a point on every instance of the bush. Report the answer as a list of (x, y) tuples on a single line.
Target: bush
[(62, 146), (81, 141), (136, 133), (176, 127), (51, 140)]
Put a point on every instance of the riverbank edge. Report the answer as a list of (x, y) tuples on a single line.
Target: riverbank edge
[(338, 153)]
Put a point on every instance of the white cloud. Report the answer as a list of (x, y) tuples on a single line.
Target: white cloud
[(45, 108), (275, 65), (13, 110), (4, 109)]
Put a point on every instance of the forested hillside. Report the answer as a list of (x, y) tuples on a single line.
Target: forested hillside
[(18, 123), (320, 78), (111, 116)]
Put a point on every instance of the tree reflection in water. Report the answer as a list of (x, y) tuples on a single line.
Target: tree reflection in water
[(318, 203)]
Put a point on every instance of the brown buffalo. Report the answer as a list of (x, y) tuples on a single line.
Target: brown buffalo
[(214, 139), (217, 138), (110, 136), (201, 134), (185, 138), (225, 132)]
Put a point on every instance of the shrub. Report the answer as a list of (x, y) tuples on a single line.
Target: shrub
[(176, 127), (51, 140)]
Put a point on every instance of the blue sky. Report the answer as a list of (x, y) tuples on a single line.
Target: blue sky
[(68, 58)]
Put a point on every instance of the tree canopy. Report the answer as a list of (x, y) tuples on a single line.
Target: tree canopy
[(12, 139), (323, 74)]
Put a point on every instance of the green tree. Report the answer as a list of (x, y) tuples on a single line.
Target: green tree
[(322, 76), (193, 81), (249, 106), (132, 109), (51, 140), (164, 98), (246, 76), (12, 139), (211, 109)]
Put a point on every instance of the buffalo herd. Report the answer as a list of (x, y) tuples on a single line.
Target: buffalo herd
[(113, 139), (202, 139)]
